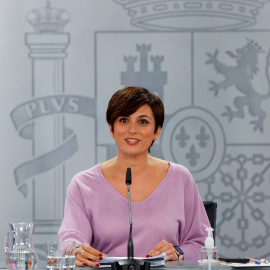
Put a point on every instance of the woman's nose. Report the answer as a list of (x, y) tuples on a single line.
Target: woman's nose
[(133, 128)]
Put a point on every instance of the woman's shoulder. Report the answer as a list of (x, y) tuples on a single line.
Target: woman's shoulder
[(180, 174), (91, 174), (179, 168), (170, 166), (158, 162), (84, 184)]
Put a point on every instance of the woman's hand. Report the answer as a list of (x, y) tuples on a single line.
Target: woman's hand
[(168, 248), (86, 256)]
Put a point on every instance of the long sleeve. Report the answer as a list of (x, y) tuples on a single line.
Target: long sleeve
[(193, 234), (76, 224)]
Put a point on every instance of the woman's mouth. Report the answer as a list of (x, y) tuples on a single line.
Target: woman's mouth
[(132, 141)]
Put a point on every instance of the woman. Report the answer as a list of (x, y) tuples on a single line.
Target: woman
[(167, 210)]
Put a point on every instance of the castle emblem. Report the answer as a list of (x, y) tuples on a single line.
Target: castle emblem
[(155, 79), (241, 76)]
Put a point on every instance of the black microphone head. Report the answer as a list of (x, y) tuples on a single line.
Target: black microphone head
[(128, 176)]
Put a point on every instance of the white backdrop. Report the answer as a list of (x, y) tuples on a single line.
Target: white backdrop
[(208, 61)]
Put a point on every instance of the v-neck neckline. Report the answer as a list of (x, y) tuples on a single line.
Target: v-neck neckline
[(148, 199)]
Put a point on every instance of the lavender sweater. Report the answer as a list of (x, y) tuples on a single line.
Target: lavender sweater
[(97, 214)]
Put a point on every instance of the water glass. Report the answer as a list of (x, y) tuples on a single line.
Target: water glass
[(57, 259)]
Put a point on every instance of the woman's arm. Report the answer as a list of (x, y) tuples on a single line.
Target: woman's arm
[(193, 234), (76, 228)]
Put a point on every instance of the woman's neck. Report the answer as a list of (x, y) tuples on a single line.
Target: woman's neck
[(138, 164)]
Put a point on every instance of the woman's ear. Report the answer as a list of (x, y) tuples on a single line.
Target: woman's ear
[(156, 135), (111, 131)]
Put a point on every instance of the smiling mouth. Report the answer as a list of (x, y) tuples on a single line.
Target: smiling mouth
[(132, 140)]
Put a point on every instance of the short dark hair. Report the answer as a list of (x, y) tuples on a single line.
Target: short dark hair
[(128, 100)]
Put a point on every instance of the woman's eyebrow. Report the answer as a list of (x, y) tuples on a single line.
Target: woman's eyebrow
[(143, 115)]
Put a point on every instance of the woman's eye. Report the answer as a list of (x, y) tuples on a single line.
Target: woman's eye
[(123, 120), (143, 121)]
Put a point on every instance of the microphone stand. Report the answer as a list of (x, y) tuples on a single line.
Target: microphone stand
[(130, 240), (130, 263)]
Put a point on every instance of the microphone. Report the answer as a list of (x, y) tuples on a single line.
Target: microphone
[(130, 263), (130, 240), (128, 177)]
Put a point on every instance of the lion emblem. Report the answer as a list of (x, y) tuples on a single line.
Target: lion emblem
[(241, 76)]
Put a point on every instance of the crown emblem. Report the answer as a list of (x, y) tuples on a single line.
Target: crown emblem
[(178, 15), (48, 19)]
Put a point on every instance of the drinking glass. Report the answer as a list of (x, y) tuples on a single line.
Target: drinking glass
[(56, 257)]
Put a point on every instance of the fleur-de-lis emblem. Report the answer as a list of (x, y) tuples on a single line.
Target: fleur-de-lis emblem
[(182, 137)]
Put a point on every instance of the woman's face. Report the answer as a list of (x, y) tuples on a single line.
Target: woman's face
[(134, 133)]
